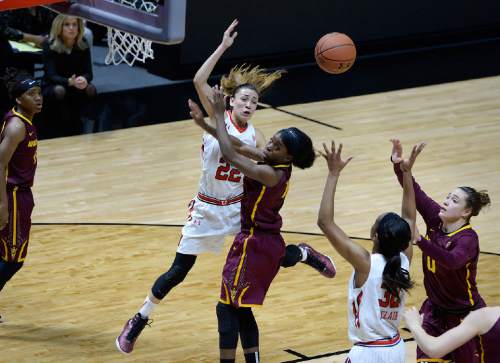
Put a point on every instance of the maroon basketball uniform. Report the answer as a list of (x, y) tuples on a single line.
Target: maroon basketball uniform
[(491, 344), (449, 261), (14, 236), (255, 256)]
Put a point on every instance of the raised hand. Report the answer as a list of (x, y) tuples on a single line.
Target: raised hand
[(407, 164), (218, 102), (196, 113), (397, 151), (333, 158), (230, 34)]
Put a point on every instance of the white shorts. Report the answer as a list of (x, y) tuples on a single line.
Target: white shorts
[(377, 354), (207, 226)]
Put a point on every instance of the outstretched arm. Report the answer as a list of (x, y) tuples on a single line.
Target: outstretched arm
[(201, 77), (356, 255), (408, 208), (439, 346), (263, 173), (242, 148), (427, 207)]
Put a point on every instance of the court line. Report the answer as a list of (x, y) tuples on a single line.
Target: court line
[(181, 225), (339, 352), (264, 105)]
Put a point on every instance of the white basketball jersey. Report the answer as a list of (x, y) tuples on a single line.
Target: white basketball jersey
[(219, 179), (374, 313)]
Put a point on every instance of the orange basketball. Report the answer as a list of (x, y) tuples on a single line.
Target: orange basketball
[(335, 53)]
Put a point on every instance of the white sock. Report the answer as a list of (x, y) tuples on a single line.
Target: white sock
[(147, 308), (304, 254)]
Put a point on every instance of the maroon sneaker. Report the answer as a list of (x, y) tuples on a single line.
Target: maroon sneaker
[(133, 327), (318, 261)]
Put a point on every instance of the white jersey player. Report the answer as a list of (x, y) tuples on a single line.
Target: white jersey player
[(378, 285), (215, 211)]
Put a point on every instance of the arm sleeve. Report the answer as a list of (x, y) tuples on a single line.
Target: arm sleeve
[(428, 208), (50, 67), (464, 249)]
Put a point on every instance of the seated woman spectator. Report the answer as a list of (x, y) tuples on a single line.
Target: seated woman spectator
[(68, 73)]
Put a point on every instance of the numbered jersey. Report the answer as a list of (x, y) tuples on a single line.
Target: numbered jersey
[(219, 179), (374, 313)]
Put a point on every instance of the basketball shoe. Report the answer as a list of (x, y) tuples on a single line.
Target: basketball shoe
[(318, 261), (131, 331)]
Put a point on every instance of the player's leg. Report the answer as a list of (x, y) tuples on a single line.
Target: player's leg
[(249, 334), (164, 283), (7, 270), (228, 327), (306, 254)]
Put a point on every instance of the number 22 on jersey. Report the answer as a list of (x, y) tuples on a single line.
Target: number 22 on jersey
[(226, 172)]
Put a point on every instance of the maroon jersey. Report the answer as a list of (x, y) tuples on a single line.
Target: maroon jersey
[(491, 344), (22, 165), (255, 256), (449, 260), (260, 205)]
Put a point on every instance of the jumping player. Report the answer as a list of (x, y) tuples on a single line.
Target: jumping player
[(380, 280), (484, 322), (18, 160), (450, 252), (258, 250), (214, 213)]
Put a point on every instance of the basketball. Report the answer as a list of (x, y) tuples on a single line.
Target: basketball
[(335, 53)]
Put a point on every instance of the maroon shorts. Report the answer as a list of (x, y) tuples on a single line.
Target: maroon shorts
[(437, 322), (14, 237), (251, 264)]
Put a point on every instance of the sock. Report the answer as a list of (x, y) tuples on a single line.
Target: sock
[(252, 357), (304, 254), (147, 308)]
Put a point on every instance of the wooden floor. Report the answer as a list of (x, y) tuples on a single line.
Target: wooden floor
[(83, 279)]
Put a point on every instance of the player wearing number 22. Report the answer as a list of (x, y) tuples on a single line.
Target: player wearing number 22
[(214, 213), (450, 252), (378, 284)]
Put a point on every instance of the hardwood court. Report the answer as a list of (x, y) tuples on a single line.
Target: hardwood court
[(82, 282)]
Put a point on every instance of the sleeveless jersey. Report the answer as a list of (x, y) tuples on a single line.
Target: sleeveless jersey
[(22, 165), (219, 179), (260, 205), (374, 313)]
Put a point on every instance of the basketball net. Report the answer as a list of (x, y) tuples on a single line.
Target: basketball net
[(127, 47)]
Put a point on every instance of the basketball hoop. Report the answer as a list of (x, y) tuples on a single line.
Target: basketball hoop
[(127, 47)]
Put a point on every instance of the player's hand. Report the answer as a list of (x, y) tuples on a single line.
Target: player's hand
[(81, 82), (407, 164), (4, 215), (230, 35), (412, 318), (196, 113), (333, 158), (397, 151), (218, 102)]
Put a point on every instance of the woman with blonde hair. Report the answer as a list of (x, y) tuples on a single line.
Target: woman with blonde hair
[(68, 74), (214, 213)]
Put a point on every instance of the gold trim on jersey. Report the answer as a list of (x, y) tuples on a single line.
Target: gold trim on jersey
[(227, 301), (14, 222), (467, 226), (281, 166), (469, 287), (21, 116)]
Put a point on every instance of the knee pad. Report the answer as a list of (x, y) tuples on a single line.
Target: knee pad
[(169, 280), (249, 331)]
